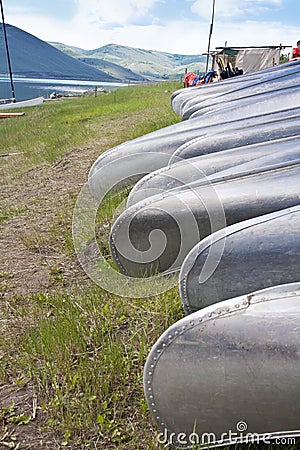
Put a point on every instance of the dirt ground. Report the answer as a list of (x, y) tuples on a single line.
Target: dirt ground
[(32, 261), (45, 195)]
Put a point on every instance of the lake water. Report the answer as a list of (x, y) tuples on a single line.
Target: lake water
[(26, 88)]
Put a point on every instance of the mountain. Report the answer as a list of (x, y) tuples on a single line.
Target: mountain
[(32, 57), (87, 57), (149, 64), (70, 50), (114, 70)]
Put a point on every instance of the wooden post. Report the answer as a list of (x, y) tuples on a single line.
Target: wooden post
[(185, 72), (96, 91)]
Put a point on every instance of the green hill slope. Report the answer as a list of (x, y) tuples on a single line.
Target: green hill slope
[(91, 58), (32, 57), (114, 70), (148, 64)]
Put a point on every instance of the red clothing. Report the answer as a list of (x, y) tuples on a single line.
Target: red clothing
[(189, 78), (295, 53)]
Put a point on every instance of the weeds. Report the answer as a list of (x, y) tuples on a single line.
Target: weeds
[(83, 349), (8, 213), (47, 132), (87, 356)]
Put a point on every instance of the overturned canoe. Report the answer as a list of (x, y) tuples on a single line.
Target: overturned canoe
[(264, 85), (275, 82), (256, 254), (207, 91), (237, 138), (180, 97), (131, 160), (229, 373), (262, 103), (196, 168), (156, 234)]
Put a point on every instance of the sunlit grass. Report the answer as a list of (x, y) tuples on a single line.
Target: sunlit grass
[(83, 349), (48, 131)]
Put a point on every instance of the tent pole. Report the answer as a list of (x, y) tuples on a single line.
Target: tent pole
[(210, 34), (7, 53)]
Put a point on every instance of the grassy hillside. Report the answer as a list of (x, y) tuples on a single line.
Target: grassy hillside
[(32, 57), (115, 70), (149, 63), (70, 50), (146, 63)]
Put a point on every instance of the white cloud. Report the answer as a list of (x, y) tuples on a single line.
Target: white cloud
[(190, 37), (254, 33), (177, 36), (22, 10), (232, 9), (122, 12), (45, 27)]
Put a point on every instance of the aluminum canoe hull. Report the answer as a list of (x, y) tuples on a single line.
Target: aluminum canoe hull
[(230, 139), (262, 103), (255, 254), (156, 234), (196, 168), (180, 97), (208, 91), (133, 159), (274, 82), (229, 372)]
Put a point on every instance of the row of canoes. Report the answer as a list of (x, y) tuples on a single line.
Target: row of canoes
[(215, 200)]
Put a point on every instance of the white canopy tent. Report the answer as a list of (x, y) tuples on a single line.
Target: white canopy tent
[(254, 59), (250, 59)]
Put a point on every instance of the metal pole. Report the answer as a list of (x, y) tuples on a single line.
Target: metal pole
[(210, 33), (7, 53)]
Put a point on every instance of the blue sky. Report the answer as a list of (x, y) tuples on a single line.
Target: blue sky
[(176, 26)]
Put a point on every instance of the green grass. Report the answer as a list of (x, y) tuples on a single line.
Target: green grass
[(81, 348), (62, 125), (8, 213), (87, 355)]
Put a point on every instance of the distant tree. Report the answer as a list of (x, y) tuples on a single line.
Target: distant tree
[(283, 58)]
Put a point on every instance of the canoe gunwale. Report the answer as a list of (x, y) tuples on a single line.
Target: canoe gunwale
[(218, 236), (200, 318)]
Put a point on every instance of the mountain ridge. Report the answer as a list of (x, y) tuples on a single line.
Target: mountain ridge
[(32, 57), (151, 64)]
